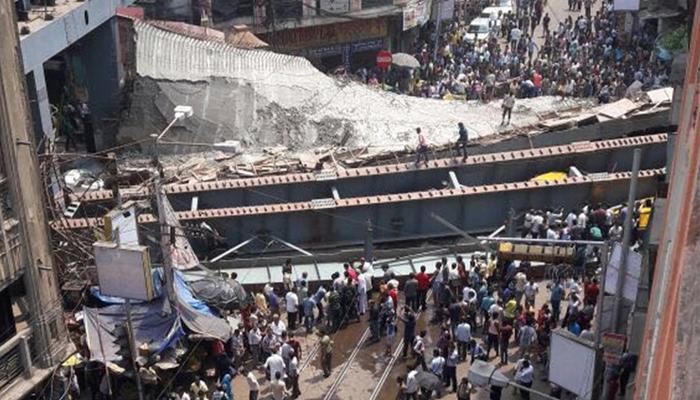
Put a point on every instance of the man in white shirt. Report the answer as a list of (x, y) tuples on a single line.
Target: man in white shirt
[(277, 326), (520, 281), (525, 376), (571, 219), (419, 350), (411, 384), (293, 373), (292, 305), (275, 364), (362, 293), (437, 365), (582, 220), (463, 334), (468, 295), (531, 291), (253, 385), (254, 339)]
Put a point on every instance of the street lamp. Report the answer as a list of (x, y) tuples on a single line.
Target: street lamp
[(180, 113)]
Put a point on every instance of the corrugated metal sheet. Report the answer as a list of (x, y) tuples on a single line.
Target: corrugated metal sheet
[(166, 55)]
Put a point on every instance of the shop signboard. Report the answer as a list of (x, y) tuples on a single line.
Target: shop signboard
[(335, 6), (409, 15), (613, 346), (325, 35), (423, 11), (384, 59), (445, 9)]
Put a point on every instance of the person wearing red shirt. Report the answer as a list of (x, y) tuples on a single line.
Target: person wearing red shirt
[(351, 272), (423, 285), (591, 292), (394, 294)]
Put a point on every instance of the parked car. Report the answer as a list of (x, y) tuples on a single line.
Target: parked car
[(493, 14), (478, 30)]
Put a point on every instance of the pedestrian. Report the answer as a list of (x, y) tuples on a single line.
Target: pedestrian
[(277, 326), (318, 299), (219, 393), (531, 290), (419, 350), (254, 339), (477, 352), (492, 338), (279, 388), (505, 333), (227, 386), (464, 389), (253, 385), (326, 355), (507, 105), (462, 141), (555, 297), (401, 385), (524, 376), (293, 375), (411, 388), (374, 321), (423, 284), (308, 307), (362, 292), (527, 338), (437, 364), (450, 374), (292, 306), (408, 317), (302, 295), (422, 149), (463, 336), (410, 290), (275, 363)]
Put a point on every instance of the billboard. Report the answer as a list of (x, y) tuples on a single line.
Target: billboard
[(124, 271), (335, 6)]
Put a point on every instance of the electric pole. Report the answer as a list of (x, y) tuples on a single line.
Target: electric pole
[(22, 169)]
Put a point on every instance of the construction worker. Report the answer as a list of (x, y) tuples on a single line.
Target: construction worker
[(326, 355), (335, 312), (644, 216)]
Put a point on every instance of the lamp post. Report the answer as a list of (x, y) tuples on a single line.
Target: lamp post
[(180, 113)]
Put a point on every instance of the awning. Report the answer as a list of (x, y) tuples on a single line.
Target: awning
[(197, 315)]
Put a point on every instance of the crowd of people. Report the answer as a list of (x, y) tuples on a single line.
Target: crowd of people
[(583, 55), (478, 310)]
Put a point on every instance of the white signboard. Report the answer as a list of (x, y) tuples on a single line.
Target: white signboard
[(572, 363), (626, 5), (120, 227), (423, 11), (124, 271), (409, 15), (634, 271), (335, 6)]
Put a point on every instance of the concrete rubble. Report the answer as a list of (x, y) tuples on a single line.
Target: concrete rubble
[(288, 116)]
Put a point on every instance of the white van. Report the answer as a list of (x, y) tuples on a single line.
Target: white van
[(478, 30)]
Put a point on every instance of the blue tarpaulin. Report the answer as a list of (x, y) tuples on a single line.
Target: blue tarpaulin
[(152, 323)]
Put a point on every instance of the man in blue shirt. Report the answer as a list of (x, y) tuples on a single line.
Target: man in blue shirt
[(555, 297)]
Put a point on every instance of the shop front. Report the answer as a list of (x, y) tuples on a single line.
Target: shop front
[(351, 45)]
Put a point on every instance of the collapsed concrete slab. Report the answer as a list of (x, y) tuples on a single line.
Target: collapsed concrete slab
[(264, 98)]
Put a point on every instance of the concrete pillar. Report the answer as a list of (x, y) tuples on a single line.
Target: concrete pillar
[(25, 357), (42, 97), (99, 57)]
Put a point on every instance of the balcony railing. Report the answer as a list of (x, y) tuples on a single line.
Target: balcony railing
[(10, 247), (15, 359)]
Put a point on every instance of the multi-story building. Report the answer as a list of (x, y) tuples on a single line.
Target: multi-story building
[(70, 57)]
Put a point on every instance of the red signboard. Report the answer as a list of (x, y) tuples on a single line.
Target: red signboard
[(383, 59)]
